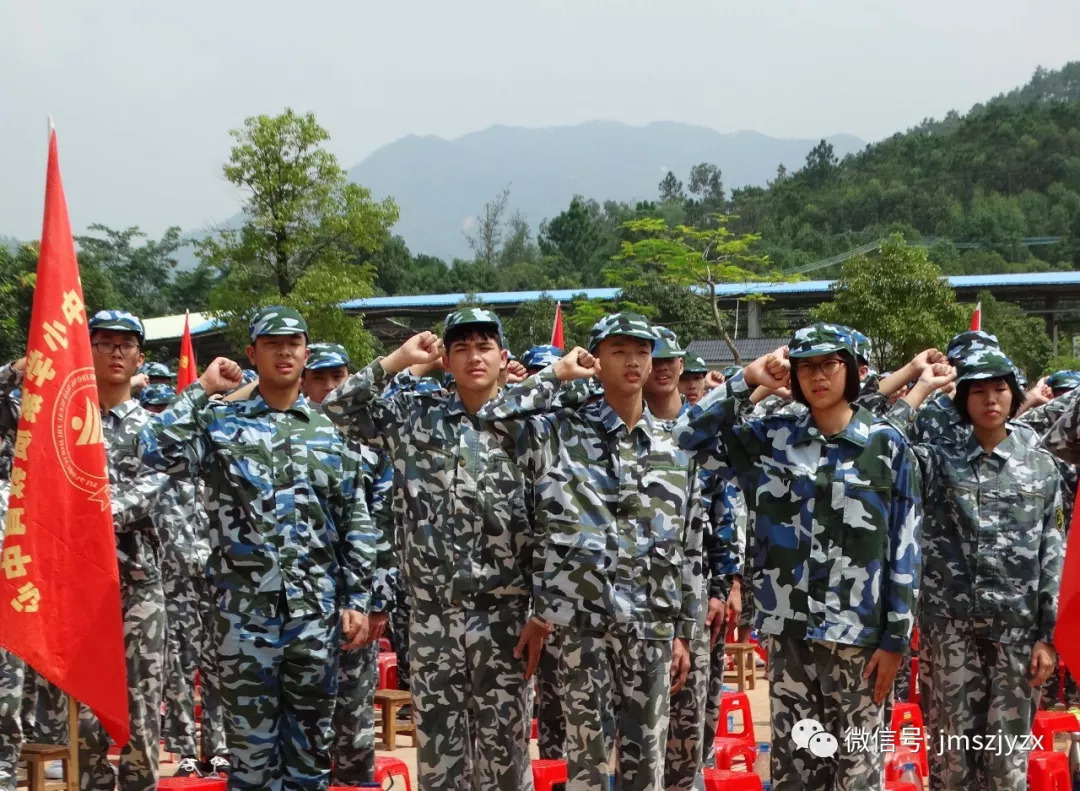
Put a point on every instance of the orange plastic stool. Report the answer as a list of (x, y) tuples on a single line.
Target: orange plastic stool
[(721, 780), (385, 767), (547, 772), (909, 715), (1048, 771), (194, 783), (388, 671), (1047, 723)]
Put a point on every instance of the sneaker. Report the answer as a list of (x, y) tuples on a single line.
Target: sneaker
[(404, 713), (188, 767), (220, 765), (54, 770)]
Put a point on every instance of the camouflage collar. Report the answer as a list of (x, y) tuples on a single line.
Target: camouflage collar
[(256, 406), (1004, 450), (122, 410), (857, 431), (610, 420), (455, 407)]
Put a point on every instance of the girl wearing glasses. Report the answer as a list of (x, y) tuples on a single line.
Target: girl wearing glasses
[(834, 509)]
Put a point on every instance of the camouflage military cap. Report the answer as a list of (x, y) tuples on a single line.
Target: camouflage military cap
[(628, 325), (327, 355), (1063, 380), (117, 321), (694, 365), (862, 346), (277, 320), (460, 318), (984, 364), (156, 370), (967, 342), (667, 345), (820, 339), (157, 395), (731, 370), (249, 375), (541, 356)]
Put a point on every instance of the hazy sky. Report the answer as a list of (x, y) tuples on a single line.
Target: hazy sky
[(144, 93)]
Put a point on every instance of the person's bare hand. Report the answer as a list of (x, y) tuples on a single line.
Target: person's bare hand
[(221, 375), (139, 381), (1043, 660), (354, 628), (530, 645), (887, 664), (516, 372), (680, 663), (424, 348), (577, 364), (19, 365), (938, 375), (376, 626), (772, 371), (713, 379), (716, 619)]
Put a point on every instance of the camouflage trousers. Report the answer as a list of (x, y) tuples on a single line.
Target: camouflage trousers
[(11, 731), (45, 711), (1052, 689), (973, 686), (354, 716), (470, 697), (823, 681), (623, 680), (278, 681), (144, 641), (399, 630), (550, 726), (715, 690), (189, 606), (686, 727)]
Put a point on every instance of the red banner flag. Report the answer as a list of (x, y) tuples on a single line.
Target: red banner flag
[(60, 586), (976, 317), (185, 370), (556, 331), (1066, 635)]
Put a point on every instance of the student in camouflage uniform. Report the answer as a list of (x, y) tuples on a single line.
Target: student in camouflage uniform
[(538, 358), (464, 545), (618, 567), (835, 515), (292, 552), (11, 667), (181, 519), (117, 338), (358, 674), (993, 550), (687, 727), (692, 380)]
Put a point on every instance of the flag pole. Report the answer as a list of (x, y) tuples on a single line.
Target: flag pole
[(73, 744)]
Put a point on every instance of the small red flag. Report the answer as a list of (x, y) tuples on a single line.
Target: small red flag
[(556, 331), (1066, 635), (976, 317), (185, 371), (60, 586)]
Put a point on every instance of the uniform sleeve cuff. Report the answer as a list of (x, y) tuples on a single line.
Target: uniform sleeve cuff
[(890, 642)]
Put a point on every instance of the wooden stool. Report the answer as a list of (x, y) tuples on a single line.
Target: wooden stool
[(36, 756), (742, 655), (391, 700)]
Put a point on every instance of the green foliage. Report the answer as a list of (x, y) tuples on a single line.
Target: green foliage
[(1023, 338), (1062, 362), (307, 233), (898, 299)]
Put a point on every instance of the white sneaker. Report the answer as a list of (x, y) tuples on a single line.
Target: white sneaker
[(220, 765), (188, 767), (54, 770)]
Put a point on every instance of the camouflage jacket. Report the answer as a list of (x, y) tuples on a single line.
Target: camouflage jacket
[(1042, 420), (834, 520), (283, 495), (992, 536), (10, 407), (135, 491), (462, 533), (1063, 437), (618, 547), (181, 519), (379, 495)]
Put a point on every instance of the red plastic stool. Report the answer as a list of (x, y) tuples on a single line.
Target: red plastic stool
[(728, 750), (720, 780), (547, 772), (914, 696), (385, 767), (1048, 771), (897, 785), (388, 671), (894, 763), (909, 715), (384, 646), (193, 783), (1047, 723), (535, 729)]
